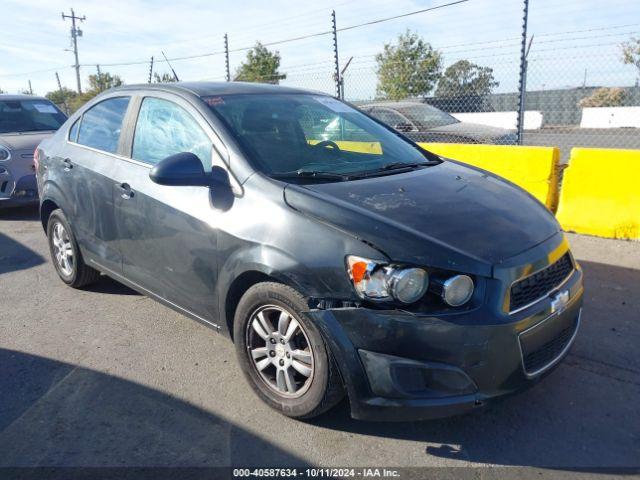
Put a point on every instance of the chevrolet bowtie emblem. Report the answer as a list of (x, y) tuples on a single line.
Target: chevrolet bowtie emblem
[(559, 301)]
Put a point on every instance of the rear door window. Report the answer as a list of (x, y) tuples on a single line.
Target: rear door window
[(163, 129), (101, 125)]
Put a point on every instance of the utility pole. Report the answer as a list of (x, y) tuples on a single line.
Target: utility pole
[(99, 79), (344, 69), (335, 53), (150, 70), (75, 33), (64, 99), (226, 57), (30, 89)]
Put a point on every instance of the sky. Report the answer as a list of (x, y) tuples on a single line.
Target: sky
[(575, 41)]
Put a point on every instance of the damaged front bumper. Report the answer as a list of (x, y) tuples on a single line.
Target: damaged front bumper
[(398, 365)]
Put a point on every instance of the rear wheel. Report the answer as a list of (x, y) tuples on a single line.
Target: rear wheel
[(283, 354), (65, 253)]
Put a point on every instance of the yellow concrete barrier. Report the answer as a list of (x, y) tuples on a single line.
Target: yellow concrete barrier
[(601, 193), (371, 148), (536, 169)]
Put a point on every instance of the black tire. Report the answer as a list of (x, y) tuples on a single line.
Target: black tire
[(324, 389), (78, 274)]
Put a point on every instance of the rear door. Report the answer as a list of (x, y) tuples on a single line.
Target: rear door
[(168, 235), (86, 165)]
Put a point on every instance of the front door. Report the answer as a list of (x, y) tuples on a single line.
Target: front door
[(168, 235)]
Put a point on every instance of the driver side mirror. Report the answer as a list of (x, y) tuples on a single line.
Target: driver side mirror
[(182, 170)]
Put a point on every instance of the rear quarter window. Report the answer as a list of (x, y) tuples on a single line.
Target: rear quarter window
[(73, 131), (101, 124)]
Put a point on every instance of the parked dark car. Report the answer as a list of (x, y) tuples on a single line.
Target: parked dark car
[(425, 123), (416, 285), (25, 120)]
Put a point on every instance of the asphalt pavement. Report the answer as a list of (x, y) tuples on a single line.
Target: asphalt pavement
[(568, 137), (107, 377)]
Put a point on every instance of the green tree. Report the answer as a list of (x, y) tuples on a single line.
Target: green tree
[(63, 98), (103, 81), (631, 53), (60, 97), (465, 78), (164, 78), (408, 68), (97, 84), (261, 65)]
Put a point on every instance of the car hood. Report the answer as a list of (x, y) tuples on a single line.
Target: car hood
[(23, 141), (447, 216), (471, 129)]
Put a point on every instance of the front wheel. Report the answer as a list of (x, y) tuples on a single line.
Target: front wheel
[(283, 354)]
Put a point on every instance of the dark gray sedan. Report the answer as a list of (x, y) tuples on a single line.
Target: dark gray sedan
[(425, 123), (25, 120), (416, 286)]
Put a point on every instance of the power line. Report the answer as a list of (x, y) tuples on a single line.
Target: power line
[(372, 22), (34, 71), (295, 39), (589, 30), (258, 27), (589, 37)]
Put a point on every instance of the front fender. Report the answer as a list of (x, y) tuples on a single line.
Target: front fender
[(275, 263)]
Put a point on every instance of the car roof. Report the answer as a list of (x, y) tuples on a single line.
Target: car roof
[(205, 89), (14, 97), (393, 104)]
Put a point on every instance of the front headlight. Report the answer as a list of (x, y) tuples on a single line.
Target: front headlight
[(454, 291), (408, 285), (374, 280), (4, 154), (457, 290)]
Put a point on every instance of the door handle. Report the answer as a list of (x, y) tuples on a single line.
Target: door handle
[(67, 164), (125, 190)]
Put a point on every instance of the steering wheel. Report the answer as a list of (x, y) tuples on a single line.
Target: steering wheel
[(328, 143)]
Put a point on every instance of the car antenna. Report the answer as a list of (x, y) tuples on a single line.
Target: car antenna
[(172, 70)]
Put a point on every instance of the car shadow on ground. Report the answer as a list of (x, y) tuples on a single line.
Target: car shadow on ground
[(582, 416), (16, 256), (110, 286), (25, 213), (59, 414)]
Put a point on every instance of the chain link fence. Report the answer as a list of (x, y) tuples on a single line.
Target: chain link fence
[(578, 91), (594, 103)]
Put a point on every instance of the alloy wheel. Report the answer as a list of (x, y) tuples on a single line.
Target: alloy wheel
[(280, 351), (62, 249)]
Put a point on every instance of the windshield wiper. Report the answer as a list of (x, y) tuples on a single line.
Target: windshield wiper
[(320, 175), (403, 165), (395, 166)]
